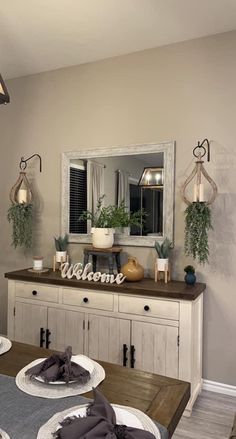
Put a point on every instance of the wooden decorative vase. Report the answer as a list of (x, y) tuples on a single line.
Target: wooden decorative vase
[(133, 270)]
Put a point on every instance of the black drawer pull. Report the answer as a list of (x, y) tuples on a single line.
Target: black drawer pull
[(48, 333), (125, 349), (146, 308), (42, 340), (132, 359), (85, 299), (34, 292)]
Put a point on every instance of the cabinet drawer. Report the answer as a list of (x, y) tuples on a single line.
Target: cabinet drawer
[(88, 299), (40, 292), (164, 309)]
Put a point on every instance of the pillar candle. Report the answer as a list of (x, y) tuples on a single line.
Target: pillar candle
[(198, 192), (22, 196)]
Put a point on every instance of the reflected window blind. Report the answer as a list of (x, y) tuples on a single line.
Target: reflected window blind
[(78, 199)]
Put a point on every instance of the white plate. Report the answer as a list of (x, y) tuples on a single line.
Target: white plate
[(82, 360), (4, 435), (123, 417), (0, 340)]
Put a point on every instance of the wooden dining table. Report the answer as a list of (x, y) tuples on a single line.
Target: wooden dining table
[(163, 399)]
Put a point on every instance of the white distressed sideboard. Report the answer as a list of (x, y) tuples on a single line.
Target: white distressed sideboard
[(154, 327)]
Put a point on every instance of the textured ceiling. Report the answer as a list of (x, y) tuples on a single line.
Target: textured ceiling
[(41, 35)]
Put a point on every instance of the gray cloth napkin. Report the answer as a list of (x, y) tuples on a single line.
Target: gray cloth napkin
[(100, 423), (59, 367)]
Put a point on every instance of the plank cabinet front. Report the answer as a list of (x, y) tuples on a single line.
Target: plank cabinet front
[(153, 334)]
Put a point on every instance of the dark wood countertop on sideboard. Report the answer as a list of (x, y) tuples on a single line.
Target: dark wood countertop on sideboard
[(146, 287)]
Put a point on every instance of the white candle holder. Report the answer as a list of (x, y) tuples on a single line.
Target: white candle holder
[(38, 263)]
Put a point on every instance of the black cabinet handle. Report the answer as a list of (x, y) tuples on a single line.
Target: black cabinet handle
[(42, 332), (34, 292), (48, 333), (146, 308), (125, 349), (85, 299), (132, 359)]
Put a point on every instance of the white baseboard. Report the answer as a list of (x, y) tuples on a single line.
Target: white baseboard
[(213, 386)]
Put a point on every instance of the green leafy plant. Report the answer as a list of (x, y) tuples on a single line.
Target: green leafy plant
[(113, 216), (189, 269), (163, 249), (61, 243), (20, 215), (197, 225)]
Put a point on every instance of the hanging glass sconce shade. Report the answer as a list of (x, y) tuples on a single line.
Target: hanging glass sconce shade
[(197, 176), (4, 96)]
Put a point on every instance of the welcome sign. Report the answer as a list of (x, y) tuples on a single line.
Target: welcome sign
[(84, 273)]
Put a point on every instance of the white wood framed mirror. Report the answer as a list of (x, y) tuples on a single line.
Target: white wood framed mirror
[(116, 168)]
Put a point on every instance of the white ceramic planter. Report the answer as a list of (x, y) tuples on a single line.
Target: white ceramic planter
[(162, 264), (61, 256), (102, 237)]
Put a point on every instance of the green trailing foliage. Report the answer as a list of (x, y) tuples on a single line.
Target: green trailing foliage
[(20, 215), (163, 249), (197, 225), (61, 243), (189, 269), (113, 216)]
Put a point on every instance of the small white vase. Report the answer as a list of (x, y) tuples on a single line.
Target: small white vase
[(102, 237), (61, 256), (162, 264)]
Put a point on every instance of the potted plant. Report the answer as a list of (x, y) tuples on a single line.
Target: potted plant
[(190, 277), (163, 252), (21, 214), (61, 244), (108, 218), (197, 225)]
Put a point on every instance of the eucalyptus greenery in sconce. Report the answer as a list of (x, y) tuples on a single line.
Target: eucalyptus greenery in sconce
[(197, 225), (20, 215)]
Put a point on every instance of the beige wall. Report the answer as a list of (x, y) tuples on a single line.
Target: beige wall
[(184, 92)]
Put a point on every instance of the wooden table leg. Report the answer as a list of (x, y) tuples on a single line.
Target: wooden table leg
[(94, 257), (110, 263), (86, 258), (118, 264)]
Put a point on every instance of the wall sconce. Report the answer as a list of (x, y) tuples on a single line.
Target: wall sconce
[(198, 172), (21, 193), (152, 178), (4, 96), (20, 213)]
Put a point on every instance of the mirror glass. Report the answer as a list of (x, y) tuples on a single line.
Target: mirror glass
[(139, 176)]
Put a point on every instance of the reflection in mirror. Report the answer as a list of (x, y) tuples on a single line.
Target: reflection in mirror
[(136, 180), (142, 176)]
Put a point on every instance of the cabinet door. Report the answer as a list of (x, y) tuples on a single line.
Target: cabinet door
[(106, 337), (156, 348), (67, 329), (28, 321)]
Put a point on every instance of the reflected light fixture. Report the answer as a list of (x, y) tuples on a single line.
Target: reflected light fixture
[(152, 178), (4, 96)]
